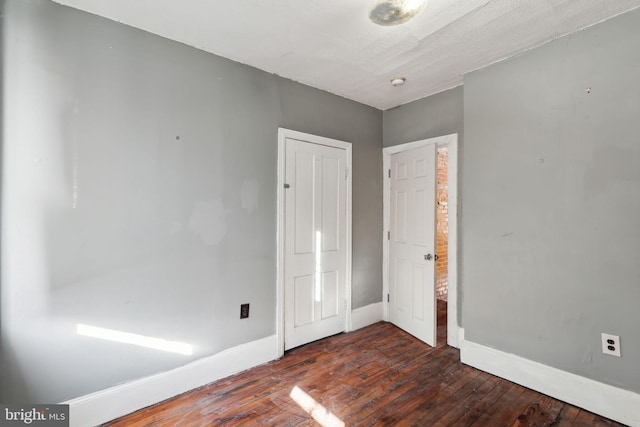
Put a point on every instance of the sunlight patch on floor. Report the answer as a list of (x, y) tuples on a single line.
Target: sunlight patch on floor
[(316, 410)]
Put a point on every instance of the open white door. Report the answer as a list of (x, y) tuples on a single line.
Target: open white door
[(315, 241), (412, 301)]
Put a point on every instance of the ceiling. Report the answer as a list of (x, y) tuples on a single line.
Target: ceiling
[(332, 45)]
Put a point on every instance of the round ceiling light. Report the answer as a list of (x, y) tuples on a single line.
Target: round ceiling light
[(395, 12), (398, 81)]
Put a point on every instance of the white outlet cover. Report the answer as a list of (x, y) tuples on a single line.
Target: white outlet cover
[(606, 338)]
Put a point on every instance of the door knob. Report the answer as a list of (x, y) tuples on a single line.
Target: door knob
[(429, 257)]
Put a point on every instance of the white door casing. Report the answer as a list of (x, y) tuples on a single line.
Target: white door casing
[(454, 333), (313, 238), (412, 242)]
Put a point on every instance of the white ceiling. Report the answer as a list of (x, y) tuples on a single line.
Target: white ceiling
[(332, 45)]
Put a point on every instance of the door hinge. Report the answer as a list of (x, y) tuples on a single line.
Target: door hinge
[(388, 298), (388, 235), (389, 173), (287, 186), (346, 173)]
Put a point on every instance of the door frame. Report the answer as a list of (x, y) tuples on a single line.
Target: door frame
[(451, 142), (283, 134)]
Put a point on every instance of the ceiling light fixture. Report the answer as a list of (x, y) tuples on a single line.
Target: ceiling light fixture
[(398, 81), (395, 12)]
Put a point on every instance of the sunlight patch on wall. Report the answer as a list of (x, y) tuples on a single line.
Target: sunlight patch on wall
[(135, 339)]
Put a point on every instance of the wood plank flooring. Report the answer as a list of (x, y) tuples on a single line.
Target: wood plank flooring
[(376, 376)]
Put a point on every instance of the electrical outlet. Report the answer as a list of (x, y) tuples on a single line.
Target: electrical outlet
[(611, 344), (244, 311)]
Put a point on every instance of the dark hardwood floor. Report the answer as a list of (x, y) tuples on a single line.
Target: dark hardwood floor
[(378, 375)]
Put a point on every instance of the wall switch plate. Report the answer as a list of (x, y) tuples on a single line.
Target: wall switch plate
[(611, 344), (244, 311)]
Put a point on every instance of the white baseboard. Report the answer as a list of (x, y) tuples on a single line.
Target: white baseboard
[(365, 316), (114, 402), (603, 399)]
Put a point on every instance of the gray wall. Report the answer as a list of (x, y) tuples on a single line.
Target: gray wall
[(2, 364), (436, 115), (552, 203), (139, 195)]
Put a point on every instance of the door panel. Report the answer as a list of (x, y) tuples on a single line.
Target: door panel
[(303, 305), (330, 294), (420, 218), (412, 301), (304, 203), (315, 241), (330, 208)]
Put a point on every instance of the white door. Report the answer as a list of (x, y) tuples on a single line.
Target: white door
[(315, 252), (412, 296)]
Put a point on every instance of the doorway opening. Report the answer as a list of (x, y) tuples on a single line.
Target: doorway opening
[(450, 143), (442, 240)]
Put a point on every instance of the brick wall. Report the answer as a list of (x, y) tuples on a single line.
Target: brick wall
[(442, 228)]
